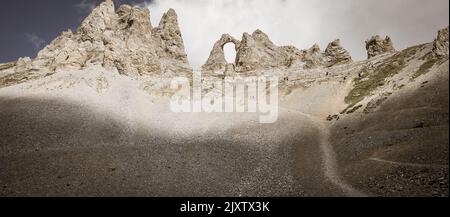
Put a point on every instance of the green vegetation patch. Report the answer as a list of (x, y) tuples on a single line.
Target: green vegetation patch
[(370, 81), (424, 68)]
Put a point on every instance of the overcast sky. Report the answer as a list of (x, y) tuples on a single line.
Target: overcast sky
[(26, 26)]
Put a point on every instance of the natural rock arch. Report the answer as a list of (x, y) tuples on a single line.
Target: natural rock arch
[(217, 60), (258, 52)]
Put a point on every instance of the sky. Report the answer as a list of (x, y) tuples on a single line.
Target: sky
[(27, 26)]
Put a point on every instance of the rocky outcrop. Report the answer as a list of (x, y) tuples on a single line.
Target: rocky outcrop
[(293, 56), (4, 66), (216, 60), (122, 41), (101, 18), (336, 54), (313, 57), (125, 41), (253, 52), (440, 44), (377, 45), (23, 65), (258, 52), (169, 39), (130, 47), (230, 70)]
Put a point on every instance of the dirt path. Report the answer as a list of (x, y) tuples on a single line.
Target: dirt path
[(408, 164), (329, 165)]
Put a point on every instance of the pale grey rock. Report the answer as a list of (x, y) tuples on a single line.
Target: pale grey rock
[(247, 56), (23, 64), (101, 18), (169, 38), (9, 65), (292, 55), (336, 54), (257, 51), (216, 60), (230, 70), (130, 47), (377, 45), (313, 57), (440, 44), (122, 41)]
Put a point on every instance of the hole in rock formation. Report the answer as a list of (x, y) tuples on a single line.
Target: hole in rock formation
[(229, 50)]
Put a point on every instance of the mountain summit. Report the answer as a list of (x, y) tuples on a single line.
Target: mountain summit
[(121, 40)]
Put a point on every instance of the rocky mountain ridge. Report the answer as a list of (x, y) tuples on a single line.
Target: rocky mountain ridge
[(121, 40), (258, 52), (90, 116), (125, 41)]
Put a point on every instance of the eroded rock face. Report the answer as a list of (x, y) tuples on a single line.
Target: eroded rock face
[(253, 52), (169, 39), (23, 65), (131, 48), (293, 56), (257, 51), (101, 18), (216, 60), (440, 44), (377, 45), (122, 41), (336, 54), (313, 57)]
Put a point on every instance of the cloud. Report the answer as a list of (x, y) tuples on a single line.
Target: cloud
[(36, 41), (86, 5), (304, 22)]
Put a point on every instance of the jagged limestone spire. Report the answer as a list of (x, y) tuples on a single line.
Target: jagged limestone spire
[(101, 18), (170, 38), (122, 41), (440, 44), (336, 54), (376, 45)]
